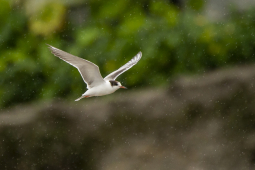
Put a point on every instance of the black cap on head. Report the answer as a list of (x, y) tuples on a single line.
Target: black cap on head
[(113, 83)]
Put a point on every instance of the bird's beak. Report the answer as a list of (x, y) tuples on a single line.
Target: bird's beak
[(123, 87)]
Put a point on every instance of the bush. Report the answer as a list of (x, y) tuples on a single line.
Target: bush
[(110, 33)]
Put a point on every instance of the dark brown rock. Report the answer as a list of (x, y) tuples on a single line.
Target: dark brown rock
[(203, 122)]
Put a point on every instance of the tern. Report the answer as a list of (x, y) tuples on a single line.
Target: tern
[(96, 84)]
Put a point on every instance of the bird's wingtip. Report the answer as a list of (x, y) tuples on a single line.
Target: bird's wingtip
[(140, 53), (49, 46)]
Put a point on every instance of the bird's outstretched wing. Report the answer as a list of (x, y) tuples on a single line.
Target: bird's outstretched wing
[(128, 65), (88, 70)]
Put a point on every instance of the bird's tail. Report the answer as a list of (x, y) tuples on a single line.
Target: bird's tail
[(79, 98), (83, 96)]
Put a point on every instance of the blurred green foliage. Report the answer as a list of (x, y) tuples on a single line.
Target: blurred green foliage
[(110, 33)]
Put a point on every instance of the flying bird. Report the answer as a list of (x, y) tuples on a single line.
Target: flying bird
[(96, 84)]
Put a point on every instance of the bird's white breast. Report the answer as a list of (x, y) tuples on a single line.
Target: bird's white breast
[(101, 90)]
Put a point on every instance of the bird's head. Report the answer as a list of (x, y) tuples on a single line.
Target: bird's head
[(116, 84)]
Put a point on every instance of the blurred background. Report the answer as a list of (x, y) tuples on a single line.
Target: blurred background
[(190, 102)]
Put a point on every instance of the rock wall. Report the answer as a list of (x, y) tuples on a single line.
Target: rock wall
[(202, 122)]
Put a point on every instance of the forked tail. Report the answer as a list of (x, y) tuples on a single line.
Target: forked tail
[(81, 98)]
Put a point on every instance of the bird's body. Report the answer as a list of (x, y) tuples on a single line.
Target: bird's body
[(101, 90), (96, 85)]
